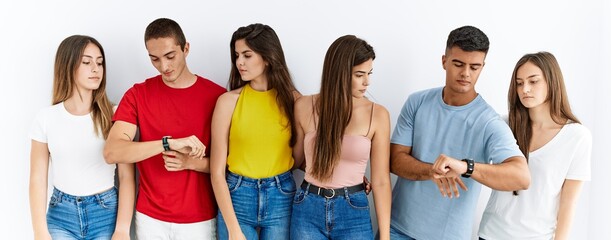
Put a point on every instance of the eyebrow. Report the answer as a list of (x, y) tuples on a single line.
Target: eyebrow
[(531, 76), (92, 57), (245, 51), (359, 71), (151, 55), (461, 62)]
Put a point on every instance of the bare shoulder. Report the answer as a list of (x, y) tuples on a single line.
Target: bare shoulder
[(303, 103), (381, 117), (229, 98), (380, 111), (296, 95)]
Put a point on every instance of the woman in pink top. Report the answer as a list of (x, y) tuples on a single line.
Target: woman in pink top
[(338, 131)]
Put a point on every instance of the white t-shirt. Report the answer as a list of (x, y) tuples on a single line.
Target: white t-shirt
[(533, 213), (76, 153)]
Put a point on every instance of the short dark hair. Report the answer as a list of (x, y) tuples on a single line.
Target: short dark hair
[(468, 38), (165, 27)]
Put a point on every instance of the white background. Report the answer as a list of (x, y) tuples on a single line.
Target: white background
[(409, 39)]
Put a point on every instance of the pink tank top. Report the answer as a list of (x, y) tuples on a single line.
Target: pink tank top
[(352, 164)]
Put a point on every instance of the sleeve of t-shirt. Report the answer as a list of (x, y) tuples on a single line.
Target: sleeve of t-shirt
[(500, 143), (127, 110), (38, 130), (580, 163), (404, 129)]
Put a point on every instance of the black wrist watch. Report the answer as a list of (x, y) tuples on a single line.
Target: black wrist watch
[(470, 166), (164, 141)]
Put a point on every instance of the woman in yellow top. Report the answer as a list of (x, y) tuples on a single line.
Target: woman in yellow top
[(252, 140)]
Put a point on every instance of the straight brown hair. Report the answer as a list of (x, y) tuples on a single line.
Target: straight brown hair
[(334, 105), (67, 61), (560, 109)]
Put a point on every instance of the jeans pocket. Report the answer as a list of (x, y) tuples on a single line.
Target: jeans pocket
[(358, 200), (287, 186), (299, 197), (109, 201), (54, 201), (233, 183)]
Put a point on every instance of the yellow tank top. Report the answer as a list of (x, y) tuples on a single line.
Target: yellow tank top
[(259, 136)]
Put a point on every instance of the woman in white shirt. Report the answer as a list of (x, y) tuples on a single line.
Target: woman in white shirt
[(558, 150), (70, 134)]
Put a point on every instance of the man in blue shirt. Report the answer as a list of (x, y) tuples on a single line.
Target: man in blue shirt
[(446, 138)]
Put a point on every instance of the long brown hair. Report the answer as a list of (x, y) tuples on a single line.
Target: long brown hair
[(263, 40), (560, 109), (334, 105), (67, 61)]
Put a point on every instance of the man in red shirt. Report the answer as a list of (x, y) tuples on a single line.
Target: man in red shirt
[(172, 112)]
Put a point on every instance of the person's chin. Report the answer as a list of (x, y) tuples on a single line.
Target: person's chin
[(168, 79)]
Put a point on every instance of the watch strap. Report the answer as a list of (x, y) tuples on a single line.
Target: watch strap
[(164, 141), (470, 167)]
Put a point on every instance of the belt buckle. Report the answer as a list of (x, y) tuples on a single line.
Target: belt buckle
[(332, 193)]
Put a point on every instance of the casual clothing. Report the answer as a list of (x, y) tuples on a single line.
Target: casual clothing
[(84, 208), (76, 152), (352, 164), (340, 214), (345, 216), (88, 217), (150, 228), (260, 157), (260, 203), (159, 110), (259, 136), (533, 213), (431, 127)]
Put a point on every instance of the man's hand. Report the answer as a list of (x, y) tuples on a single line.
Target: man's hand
[(448, 185), (449, 167), (446, 174), (189, 145), (176, 161)]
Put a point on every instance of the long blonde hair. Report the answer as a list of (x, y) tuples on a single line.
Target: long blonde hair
[(67, 61)]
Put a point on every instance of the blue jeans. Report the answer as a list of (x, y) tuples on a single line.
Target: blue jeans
[(82, 217), (345, 216), (262, 206)]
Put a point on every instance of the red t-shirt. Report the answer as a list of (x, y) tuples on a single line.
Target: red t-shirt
[(159, 110)]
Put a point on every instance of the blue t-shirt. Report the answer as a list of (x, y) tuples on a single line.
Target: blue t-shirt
[(432, 127)]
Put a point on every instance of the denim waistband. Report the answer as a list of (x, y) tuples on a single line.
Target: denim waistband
[(62, 196), (330, 192), (261, 181)]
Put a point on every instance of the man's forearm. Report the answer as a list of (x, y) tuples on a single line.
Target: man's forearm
[(510, 175), (408, 167)]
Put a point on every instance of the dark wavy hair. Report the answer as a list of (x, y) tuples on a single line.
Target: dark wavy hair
[(468, 38), (263, 40)]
